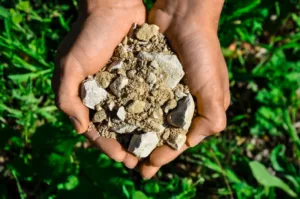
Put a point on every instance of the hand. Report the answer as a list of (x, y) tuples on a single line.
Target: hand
[(191, 27), (101, 26)]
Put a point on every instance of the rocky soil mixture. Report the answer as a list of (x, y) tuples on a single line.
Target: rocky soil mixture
[(141, 97)]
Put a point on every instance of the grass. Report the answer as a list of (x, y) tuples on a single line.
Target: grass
[(258, 156)]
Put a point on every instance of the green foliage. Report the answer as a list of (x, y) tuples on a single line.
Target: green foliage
[(264, 178), (256, 157)]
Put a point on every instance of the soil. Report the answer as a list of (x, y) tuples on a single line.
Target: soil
[(142, 84)]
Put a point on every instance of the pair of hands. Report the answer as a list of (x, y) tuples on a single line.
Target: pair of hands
[(190, 26)]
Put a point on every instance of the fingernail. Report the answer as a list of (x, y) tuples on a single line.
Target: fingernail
[(76, 124)]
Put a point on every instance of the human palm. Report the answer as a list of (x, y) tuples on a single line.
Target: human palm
[(194, 38), (100, 27)]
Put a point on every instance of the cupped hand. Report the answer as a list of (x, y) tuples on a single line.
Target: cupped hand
[(191, 28), (101, 26)]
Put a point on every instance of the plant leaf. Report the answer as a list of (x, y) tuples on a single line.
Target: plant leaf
[(139, 195), (277, 152), (264, 178), (4, 12)]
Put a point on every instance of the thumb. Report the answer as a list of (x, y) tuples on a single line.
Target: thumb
[(66, 83), (79, 55), (85, 50)]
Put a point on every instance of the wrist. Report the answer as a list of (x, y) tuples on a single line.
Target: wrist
[(89, 6), (204, 12)]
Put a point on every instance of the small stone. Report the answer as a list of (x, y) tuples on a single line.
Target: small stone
[(154, 64), (170, 105), (103, 131), (182, 115), (160, 143), (122, 72), (147, 57), (136, 106), (121, 113), (162, 95), (157, 127), (131, 74), (92, 94), (118, 85), (99, 116), (146, 32), (179, 94), (115, 65), (104, 78), (166, 134), (122, 51), (131, 31), (151, 79), (125, 40), (111, 105), (169, 64), (142, 43), (176, 140), (98, 107), (157, 113), (147, 106), (123, 128), (138, 48), (143, 144), (90, 77)]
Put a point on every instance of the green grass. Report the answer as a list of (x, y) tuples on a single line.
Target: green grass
[(258, 156)]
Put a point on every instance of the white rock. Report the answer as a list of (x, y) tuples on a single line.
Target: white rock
[(98, 107), (176, 140), (179, 94), (143, 144), (151, 79), (118, 85), (169, 64), (123, 128), (115, 66), (92, 94), (147, 56), (121, 113), (182, 115), (165, 135), (111, 105)]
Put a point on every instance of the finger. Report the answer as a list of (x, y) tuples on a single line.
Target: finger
[(227, 99), (130, 161), (165, 154), (67, 98), (147, 171), (112, 148), (206, 126), (225, 79)]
